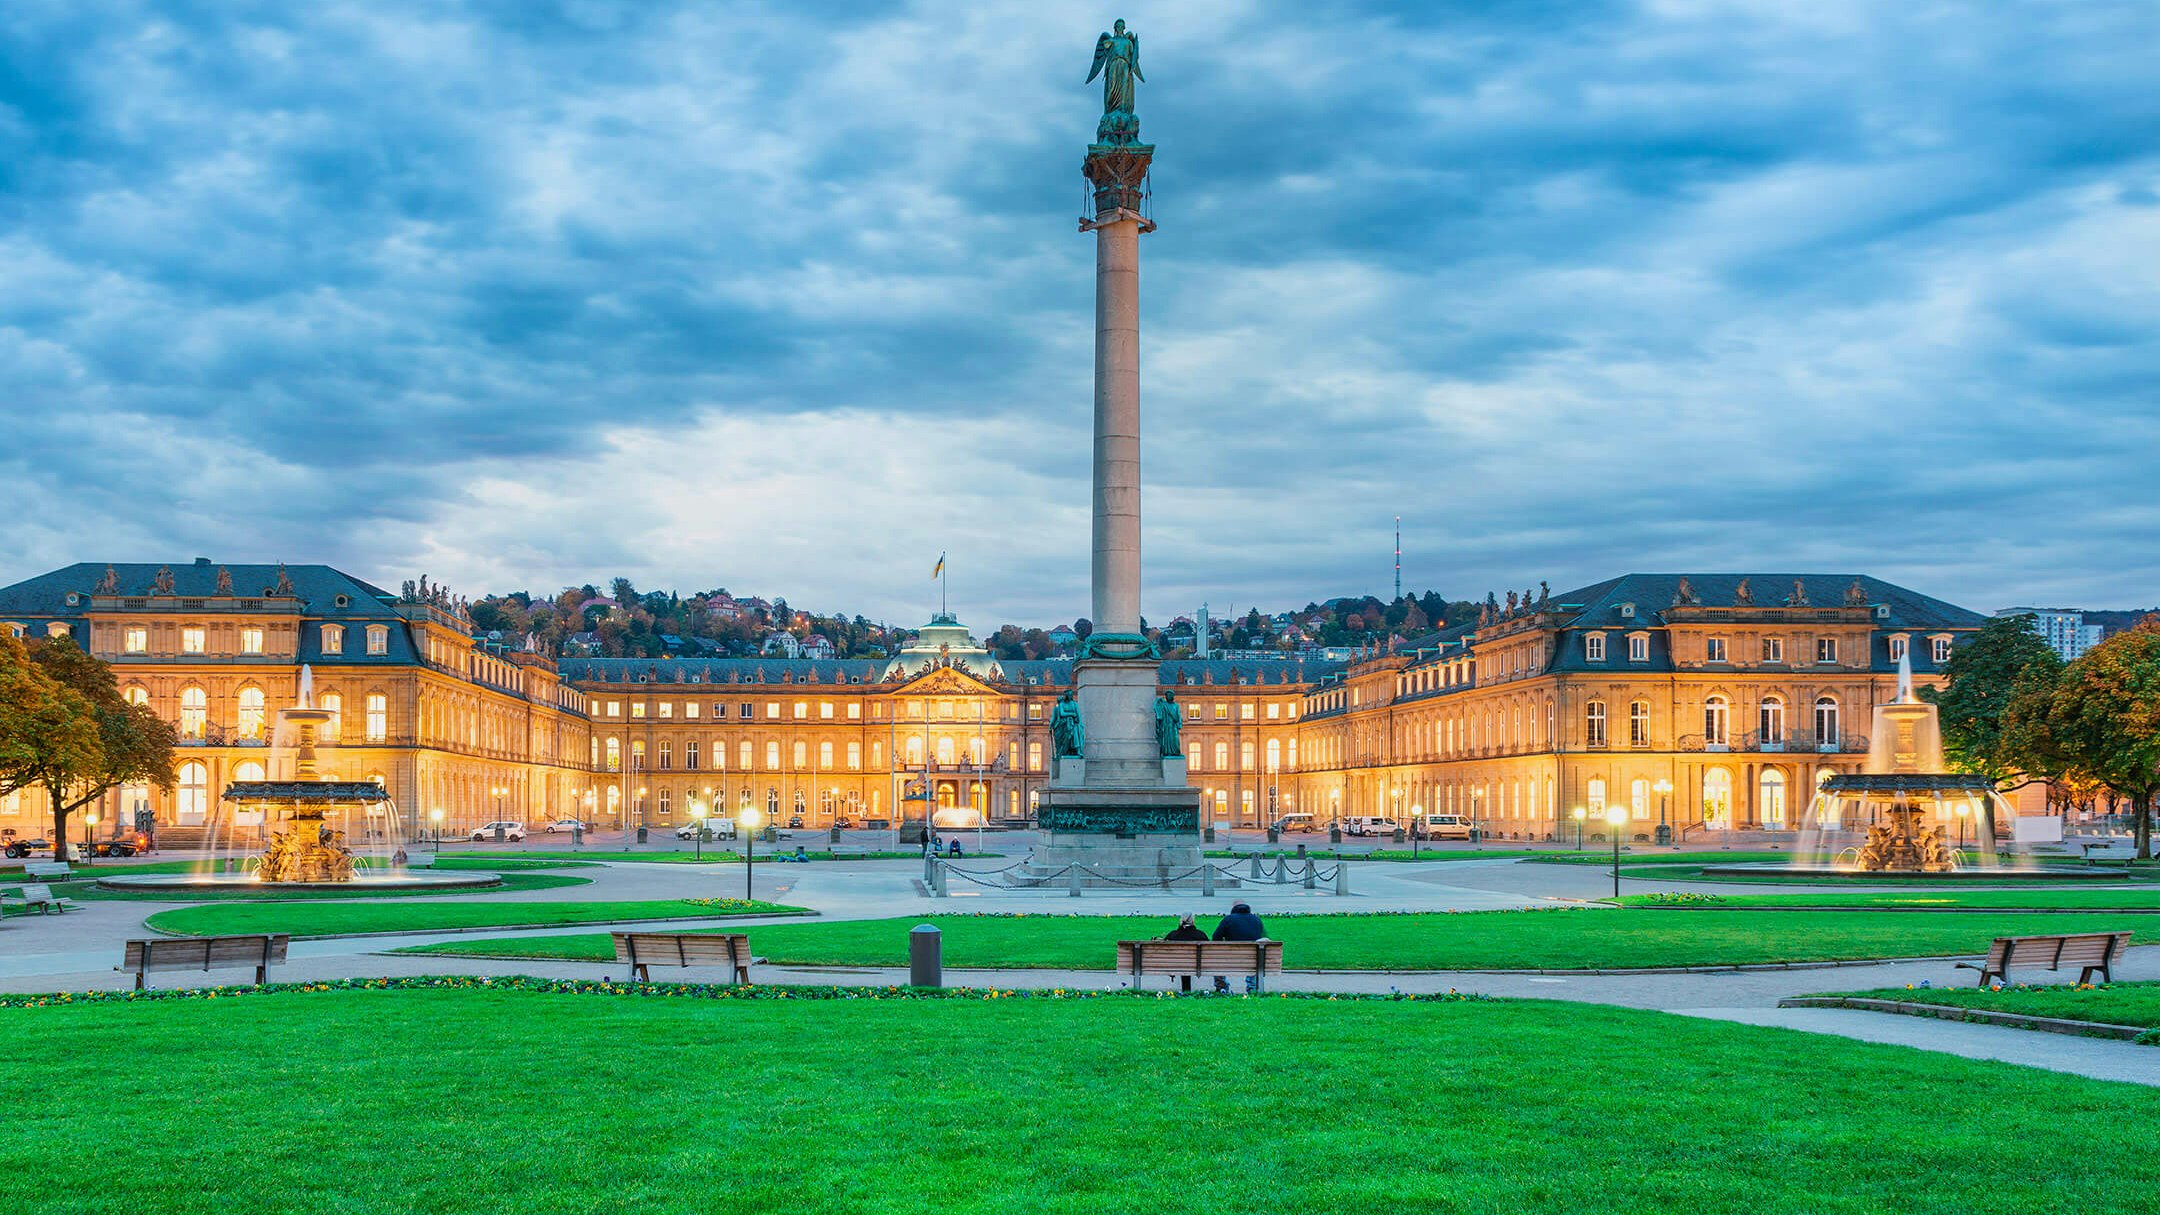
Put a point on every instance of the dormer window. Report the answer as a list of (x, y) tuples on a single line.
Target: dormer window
[(333, 639), (378, 639), (1898, 646), (1638, 647), (1594, 647), (1939, 648)]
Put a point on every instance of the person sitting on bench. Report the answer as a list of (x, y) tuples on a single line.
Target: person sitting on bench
[(1240, 925), (1186, 930)]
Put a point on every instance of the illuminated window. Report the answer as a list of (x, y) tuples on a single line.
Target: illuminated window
[(667, 708), (690, 709), (378, 639), (1595, 795), (194, 712), (1274, 711), (334, 705), (1222, 712), (854, 757), (333, 639), (1826, 649), (1594, 724), (854, 710), (1245, 711), (772, 756), (772, 710), (824, 710), (192, 801), (251, 641), (614, 755), (1638, 723), (1639, 798), (1222, 757), (742, 755), (945, 750), (1034, 757), (824, 756), (378, 717), (136, 695), (1717, 716), (191, 641), (1034, 712), (637, 709), (1772, 720), (136, 640), (637, 755), (801, 755), (802, 709), (251, 713)]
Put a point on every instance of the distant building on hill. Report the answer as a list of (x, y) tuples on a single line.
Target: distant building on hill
[(2064, 628)]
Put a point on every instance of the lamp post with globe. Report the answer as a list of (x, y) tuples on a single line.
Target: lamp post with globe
[(750, 820), (1615, 818)]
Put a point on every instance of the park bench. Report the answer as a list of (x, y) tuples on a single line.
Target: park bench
[(2093, 951), (48, 871), (1192, 959), (644, 950), (39, 896), (205, 953)]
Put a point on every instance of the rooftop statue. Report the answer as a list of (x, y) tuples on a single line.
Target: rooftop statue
[(1117, 61), (1684, 595), (1856, 595), (1742, 596)]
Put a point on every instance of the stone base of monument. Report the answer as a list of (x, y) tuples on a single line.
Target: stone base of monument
[(1124, 838)]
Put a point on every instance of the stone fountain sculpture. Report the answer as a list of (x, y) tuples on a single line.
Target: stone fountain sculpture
[(1906, 781)]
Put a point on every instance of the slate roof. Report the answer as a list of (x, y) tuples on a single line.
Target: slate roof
[(1054, 672)]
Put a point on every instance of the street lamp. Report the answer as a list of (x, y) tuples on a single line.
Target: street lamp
[(1615, 818), (435, 818), (1580, 815), (1664, 829), (500, 794), (698, 812), (750, 819), (1477, 795), (89, 836), (1417, 818)]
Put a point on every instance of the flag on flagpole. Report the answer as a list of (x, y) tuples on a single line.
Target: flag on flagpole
[(940, 567)]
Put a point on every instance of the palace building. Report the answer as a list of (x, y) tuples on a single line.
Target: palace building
[(1712, 703)]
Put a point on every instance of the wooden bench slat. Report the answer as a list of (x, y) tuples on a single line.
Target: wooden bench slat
[(2093, 952), (261, 951), (639, 949), (1195, 958)]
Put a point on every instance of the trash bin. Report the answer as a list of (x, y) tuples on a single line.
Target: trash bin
[(1664, 834), (1274, 836), (833, 836), (1398, 835), (926, 956), (641, 835), (577, 836)]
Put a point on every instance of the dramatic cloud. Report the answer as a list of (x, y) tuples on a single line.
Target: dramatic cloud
[(789, 298)]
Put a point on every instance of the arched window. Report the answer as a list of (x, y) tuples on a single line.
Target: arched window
[(801, 754), (825, 804), (1770, 799), (378, 717), (824, 757), (1717, 798), (1595, 795), (137, 694), (1639, 798), (914, 749), (248, 771), (772, 804), (334, 728), (251, 713), (772, 755), (637, 755), (192, 800), (799, 803), (1222, 756), (614, 755), (1716, 721), (944, 750), (1772, 722), (1638, 723), (1274, 755), (1826, 723), (1594, 724), (194, 712), (614, 801)]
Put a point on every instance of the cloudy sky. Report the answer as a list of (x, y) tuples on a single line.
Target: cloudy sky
[(789, 298)]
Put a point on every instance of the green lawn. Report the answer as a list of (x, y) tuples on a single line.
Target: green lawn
[(1693, 872), (1572, 940), (319, 919), (511, 882), (1424, 853), (559, 1103), (2103, 898), (1593, 855), (2114, 1003), (712, 856)]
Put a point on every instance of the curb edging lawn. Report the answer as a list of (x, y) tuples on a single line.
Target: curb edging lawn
[(1983, 1016), (1886, 907)]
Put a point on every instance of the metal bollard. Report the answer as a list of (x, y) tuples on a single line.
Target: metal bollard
[(929, 868), (1073, 886), (925, 956), (1342, 877), (1207, 880)]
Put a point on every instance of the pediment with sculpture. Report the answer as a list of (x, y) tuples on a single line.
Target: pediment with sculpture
[(945, 681)]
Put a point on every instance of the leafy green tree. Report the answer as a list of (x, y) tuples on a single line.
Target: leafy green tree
[(2104, 720), (1982, 678), (131, 745), (42, 723)]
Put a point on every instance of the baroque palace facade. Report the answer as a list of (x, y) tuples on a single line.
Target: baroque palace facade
[(1710, 702)]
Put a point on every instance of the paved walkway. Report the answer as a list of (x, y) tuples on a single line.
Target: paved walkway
[(77, 951)]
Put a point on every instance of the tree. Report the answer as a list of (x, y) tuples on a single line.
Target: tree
[(1983, 677), (41, 722), (128, 745), (2104, 720)]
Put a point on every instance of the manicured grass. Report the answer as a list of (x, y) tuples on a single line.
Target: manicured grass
[(1694, 873), (1384, 854), (713, 856), (499, 864), (1591, 854), (2103, 898), (511, 882), (1572, 940), (556, 1103), (320, 919), (2113, 1003)]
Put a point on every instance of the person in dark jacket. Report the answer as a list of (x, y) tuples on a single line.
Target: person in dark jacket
[(1186, 930), (1240, 925)]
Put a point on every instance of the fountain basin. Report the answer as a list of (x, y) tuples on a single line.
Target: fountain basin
[(362, 881), (1993, 873)]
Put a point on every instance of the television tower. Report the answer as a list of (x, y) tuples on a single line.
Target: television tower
[(1398, 558)]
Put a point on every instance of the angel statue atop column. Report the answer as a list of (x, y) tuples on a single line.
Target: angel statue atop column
[(1117, 61)]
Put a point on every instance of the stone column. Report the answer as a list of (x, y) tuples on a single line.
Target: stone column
[(1117, 425)]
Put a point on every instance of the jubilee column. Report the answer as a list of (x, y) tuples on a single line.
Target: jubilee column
[(1117, 803)]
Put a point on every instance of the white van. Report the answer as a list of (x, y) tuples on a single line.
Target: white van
[(1443, 827), (1298, 822), (1369, 825)]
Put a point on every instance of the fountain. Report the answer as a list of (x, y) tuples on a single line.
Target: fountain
[(308, 853), (1897, 816)]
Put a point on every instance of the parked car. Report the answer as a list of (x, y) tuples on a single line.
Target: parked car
[(1369, 825), (794, 822), (718, 829), (1302, 823), (24, 847), (511, 831), (1442, 827), (844, 822), (568, 824)]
